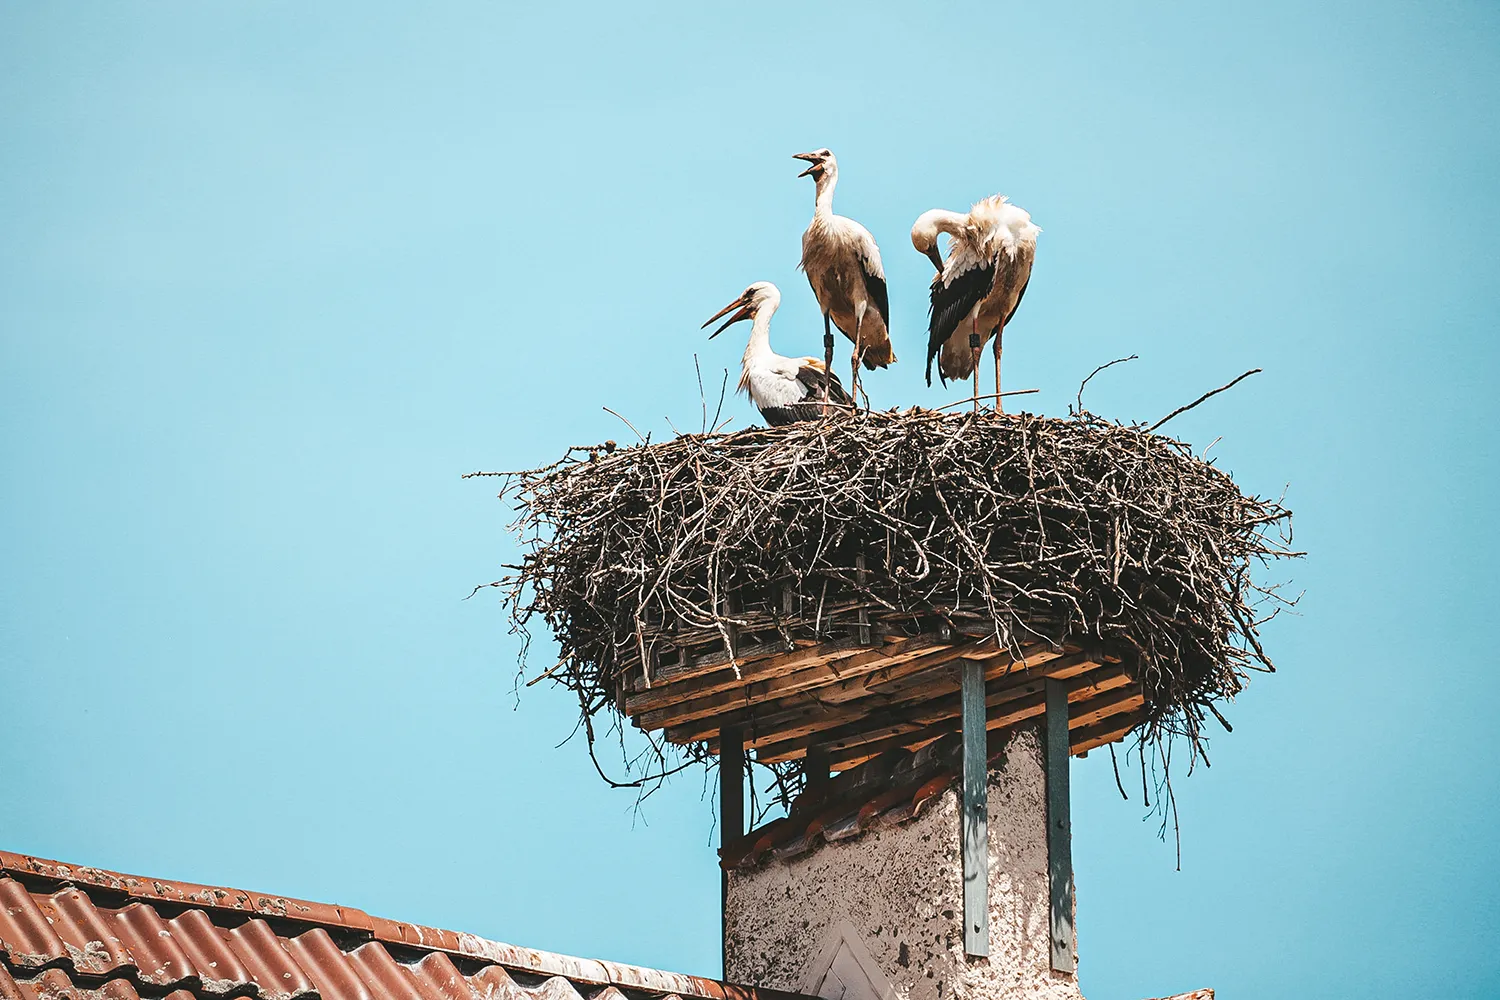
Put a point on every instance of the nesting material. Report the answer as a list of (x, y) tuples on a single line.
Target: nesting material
[(664, 563)]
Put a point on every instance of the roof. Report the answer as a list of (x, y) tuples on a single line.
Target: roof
[(71, 932), (890, 789)]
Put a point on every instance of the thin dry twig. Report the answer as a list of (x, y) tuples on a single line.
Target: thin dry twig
[(1108, 364), (988, 395), (1206, 395)]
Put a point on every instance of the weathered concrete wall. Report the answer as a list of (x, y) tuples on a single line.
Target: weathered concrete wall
[(901, 888)]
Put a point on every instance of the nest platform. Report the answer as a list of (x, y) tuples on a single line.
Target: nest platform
[(813, 586)]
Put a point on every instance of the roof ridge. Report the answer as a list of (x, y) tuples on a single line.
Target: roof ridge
[(224, 899)]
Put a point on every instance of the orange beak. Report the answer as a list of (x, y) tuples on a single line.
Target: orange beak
[(741, 303)]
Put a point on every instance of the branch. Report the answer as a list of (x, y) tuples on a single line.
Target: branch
[(1206, 395)]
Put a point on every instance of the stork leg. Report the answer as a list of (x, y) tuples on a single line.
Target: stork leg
[(999, 336), (976, 347), (854, 363), (827, 358)]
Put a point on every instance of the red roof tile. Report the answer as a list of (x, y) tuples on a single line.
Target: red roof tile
[(889, 789), (68, 932)]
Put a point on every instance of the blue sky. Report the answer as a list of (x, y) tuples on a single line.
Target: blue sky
[(273, 275)]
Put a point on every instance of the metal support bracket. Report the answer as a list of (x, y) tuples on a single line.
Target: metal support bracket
[(974, 828), (1059, 830), (817, 772), (731, 818)]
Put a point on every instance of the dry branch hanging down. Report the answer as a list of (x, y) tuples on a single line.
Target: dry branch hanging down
[(1018, 526)]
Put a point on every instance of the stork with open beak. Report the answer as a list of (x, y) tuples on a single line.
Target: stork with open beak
[(977, 290), (785, 390), (843, 267)]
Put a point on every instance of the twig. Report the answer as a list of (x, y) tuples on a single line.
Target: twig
[(702, 399), (990, 395), (1206, 395), (543, 676), (1096, 371), (719, 409), (627, 423)]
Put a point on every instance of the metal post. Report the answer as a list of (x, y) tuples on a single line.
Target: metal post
[(817, 771), (1060, 830), (975, 826), (731, 818)]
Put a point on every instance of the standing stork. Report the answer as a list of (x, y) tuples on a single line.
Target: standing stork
[(785, 390), (978, 289), (842, 264)]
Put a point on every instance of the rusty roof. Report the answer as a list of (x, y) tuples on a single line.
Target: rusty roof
[(78, 933)]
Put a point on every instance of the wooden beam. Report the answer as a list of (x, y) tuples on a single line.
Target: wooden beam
[(1124, 700), (939, 714), (846, 751), (769, 680), (1059, 829), (974, 827), (1115, 727), (806, 712), (713, 673)]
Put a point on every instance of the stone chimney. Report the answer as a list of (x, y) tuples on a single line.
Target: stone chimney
[(861, 896)]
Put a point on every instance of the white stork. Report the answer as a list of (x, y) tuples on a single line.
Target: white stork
[(843, 267), (978, 289), (785, 390)]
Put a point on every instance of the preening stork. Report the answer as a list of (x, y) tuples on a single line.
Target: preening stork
[(785, 390), (978, 289), (843, 267)]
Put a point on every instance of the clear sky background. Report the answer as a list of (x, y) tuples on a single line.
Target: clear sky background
[(273, 275)]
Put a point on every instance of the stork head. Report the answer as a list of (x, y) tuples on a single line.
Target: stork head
[(820, 164), (759, 296), (924, 233)]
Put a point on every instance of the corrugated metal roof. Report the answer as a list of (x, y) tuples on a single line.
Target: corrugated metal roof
[(77, 932)]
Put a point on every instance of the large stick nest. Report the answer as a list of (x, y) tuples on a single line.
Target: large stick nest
[(1020, 526)]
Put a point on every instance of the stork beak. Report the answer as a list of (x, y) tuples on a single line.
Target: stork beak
[(811, 158), (744, 313), (934, 255)]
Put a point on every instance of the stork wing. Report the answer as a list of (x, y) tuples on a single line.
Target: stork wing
[(813, 375), (951, 302), (1019, 296), (869, 261)]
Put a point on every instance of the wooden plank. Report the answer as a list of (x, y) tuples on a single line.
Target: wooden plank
[(1115, 727), (855, 688), (866, 726), (1059, 828), (767, 681), (795, 712), (1125, 700), (713, 674), (803, 713), (975, 826), (1006, 708), (940, 710)]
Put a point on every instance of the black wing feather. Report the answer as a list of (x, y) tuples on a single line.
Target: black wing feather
[(814, 379), (1019, 296), (811, 408), (950, 304), (875, 288)]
